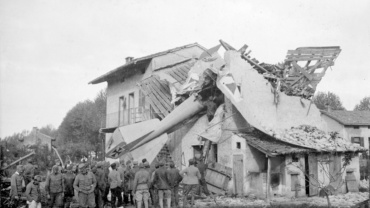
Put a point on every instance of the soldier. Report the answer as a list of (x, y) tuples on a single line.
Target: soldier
[(85, 184), (69, 178), (121, 169), (33, 193), (54, 188), (126, 182), (105, 167), (101, 185), (162, 183), (115, 184), (130, 176), (202, 182), (141, 186), (175, 179), (191, 181), (153, 190), (29, 171), (16, 182)]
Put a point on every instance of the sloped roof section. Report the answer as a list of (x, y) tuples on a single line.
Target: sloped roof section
[(158, 92), (140, 61), (349, 117), (271, 146)]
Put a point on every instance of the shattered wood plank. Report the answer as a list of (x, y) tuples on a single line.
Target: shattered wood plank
[(304, 72), (184, 70), (152, 103), (174, 75), (155, 100), (161, 99), (304, 59), (315, 51), (178, 73), (163, 89), (310, 56)]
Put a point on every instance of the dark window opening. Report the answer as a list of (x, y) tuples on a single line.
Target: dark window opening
[(238, 146), (198, 150), (275, 179), (295, 158), (214, 146), (356, 127)]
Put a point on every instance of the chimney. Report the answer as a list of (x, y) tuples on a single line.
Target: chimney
[(328, 107), (129, 59)]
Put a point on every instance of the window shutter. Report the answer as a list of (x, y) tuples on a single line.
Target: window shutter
[(352, 139), (362, 141)]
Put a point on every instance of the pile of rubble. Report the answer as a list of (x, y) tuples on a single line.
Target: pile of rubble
[(312, 137), (224, 201), (364, 184), (343, 200)]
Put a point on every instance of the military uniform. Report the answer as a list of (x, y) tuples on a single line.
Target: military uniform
[(69, 178), (162, 183), (141, 186), (175, 179), (29, 172), (54, 186), (100, 186), (16, 182), (85, 185)]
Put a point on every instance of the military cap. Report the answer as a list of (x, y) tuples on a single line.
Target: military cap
[(82, 165), (141, 165)]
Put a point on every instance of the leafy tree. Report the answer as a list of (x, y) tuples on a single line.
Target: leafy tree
[(364, 105), (78, 133), (322, 100)]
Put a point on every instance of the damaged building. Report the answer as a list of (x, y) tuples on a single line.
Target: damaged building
[(254, 123)]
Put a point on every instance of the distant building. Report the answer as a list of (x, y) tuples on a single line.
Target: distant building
[(354, 126), (37, 138), (351, 125)]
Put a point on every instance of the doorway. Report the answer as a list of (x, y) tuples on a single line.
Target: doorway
[(306, 174), (238, 172)]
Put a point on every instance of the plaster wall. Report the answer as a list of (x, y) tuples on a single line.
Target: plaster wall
[(117, 89), (293, 168), (191, 138)]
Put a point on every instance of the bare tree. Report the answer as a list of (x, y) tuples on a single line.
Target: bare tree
[(332, 185)]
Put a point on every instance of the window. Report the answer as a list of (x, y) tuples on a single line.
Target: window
[(198, 150), (238, 146), (131, 107), (294, 182), (356, 127), (358, 140), (121, 110), (295, 158)]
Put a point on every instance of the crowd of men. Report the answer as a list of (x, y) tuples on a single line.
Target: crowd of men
[(129, 183)]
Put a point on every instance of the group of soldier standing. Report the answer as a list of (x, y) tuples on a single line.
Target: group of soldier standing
[(129, 183)]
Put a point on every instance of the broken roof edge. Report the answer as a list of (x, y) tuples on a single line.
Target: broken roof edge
[(294, 149), (103, 77)]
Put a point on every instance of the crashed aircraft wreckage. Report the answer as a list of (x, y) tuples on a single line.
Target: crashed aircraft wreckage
[(271, 98)]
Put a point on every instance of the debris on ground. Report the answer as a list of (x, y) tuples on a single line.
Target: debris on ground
[(364, 184), (343, 200)]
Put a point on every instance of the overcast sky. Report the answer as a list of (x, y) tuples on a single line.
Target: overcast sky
[(50, 50)]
